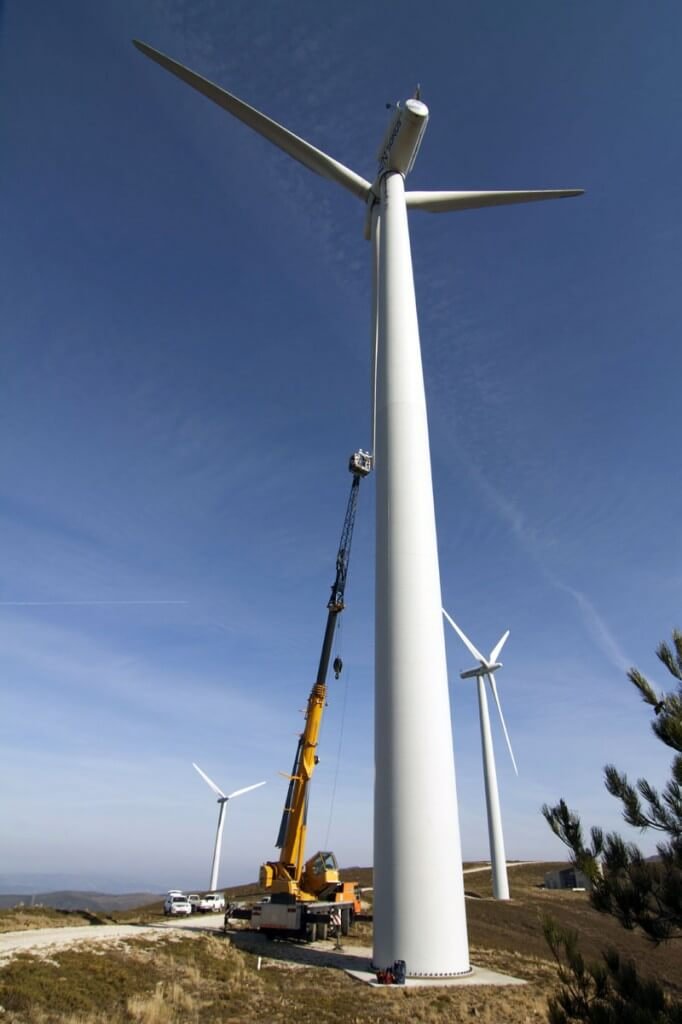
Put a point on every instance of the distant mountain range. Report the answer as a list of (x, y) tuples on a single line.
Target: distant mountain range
[(28, 883), (72, 899), (102, 893)]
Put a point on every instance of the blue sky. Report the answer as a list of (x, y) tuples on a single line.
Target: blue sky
[(184, 370)]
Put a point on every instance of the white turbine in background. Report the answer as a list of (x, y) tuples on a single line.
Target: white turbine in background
[(486, 669), (222, 800), (416, 824)]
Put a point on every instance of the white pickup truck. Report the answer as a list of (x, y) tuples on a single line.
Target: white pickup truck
[(211, 903)]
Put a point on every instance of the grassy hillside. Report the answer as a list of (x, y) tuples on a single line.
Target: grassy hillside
[(516, 926), (210, 980), (187, 978)]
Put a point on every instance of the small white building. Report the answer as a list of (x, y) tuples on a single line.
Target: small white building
[(569, 877)]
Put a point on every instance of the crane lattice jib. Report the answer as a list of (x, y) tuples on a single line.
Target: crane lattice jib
[(291, 837), (343, 556)]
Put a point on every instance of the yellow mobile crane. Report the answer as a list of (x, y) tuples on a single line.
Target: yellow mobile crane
[(306, 898)]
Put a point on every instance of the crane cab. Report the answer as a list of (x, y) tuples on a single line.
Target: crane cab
[(320, 872)]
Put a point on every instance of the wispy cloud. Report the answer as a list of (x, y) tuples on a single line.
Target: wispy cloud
[(94, 673), (537, 544), (596, 626)]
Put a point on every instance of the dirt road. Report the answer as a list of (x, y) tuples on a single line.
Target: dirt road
[(487, 867), (46, 939)]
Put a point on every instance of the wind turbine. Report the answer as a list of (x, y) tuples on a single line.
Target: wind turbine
[(222, 800), (416, 827), (486, 670)]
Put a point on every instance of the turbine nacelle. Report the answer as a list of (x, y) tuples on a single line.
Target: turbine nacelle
[(400, 145), (481, 670)]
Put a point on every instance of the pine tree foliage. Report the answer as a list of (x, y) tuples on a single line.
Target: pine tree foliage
[(602, 993), (639, 893)]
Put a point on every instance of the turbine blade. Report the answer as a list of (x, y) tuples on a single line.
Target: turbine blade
[(495, 653), (446, 202), (465, 639), (210, 782), (312, 158), (493, 687), (238, 792)]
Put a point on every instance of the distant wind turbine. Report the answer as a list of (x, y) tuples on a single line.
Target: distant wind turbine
[(222, 800), (416, 825), (486, 669)]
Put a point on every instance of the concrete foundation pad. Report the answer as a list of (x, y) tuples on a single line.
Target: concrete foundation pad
[(355, 961), (477, 976)]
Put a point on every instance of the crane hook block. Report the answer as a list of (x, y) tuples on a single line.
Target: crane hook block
[(337, 666)]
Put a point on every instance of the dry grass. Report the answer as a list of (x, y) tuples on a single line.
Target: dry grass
[(517, 926), (202, 978), (17, 919), (168, 1000), (205, 979), (141, 981)]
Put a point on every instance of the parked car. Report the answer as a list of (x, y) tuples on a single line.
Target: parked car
[(176, 904), (212, 902)]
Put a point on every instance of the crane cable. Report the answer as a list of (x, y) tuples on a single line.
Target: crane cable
[(339, 647)]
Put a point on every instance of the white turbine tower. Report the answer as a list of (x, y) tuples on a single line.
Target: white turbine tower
[(416, 828), (222, 801), (486, 670)]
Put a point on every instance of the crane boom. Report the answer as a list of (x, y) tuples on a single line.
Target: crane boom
[(285, 874)]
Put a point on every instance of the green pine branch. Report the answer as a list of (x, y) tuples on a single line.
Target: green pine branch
[(639, 893)]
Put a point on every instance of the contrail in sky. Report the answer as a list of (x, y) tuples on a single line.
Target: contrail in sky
[(529, 539), (54, 604)]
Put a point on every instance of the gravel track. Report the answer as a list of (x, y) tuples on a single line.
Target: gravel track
[(34, 939)]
